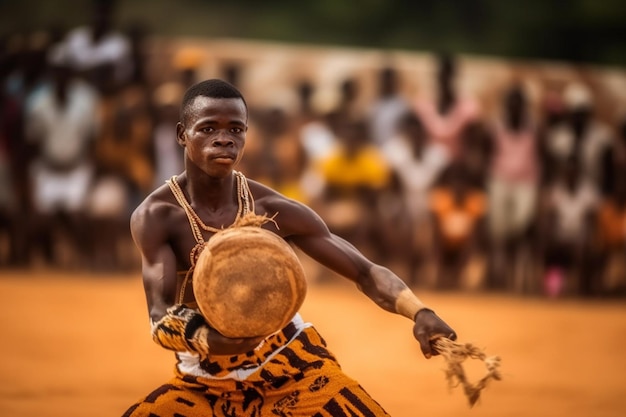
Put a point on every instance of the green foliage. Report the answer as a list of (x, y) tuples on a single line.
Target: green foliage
[(570, 30)]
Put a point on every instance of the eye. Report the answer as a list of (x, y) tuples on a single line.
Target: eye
[(207, 129), (236, 130)]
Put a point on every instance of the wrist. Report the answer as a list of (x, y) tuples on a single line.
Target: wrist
[(408, 305), (420, 310)]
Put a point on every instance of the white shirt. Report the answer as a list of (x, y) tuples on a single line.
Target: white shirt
[(64, 131), (385, 115), (571, 207), (113, 48), (417, 175)]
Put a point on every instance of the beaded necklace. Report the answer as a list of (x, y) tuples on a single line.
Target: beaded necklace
[(245, 205)]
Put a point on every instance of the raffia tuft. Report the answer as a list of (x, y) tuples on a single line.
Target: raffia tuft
[(254, 220), (455, 354)]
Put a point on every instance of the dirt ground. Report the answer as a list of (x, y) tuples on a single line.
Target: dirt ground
[(78, 345)]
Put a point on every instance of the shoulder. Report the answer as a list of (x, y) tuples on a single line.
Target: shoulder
[(291, 217), (270, 201), (152, 214)]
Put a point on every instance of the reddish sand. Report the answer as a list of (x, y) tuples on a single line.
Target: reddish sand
[(77, 345)]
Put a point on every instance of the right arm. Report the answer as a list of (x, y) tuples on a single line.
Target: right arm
[(174, 326)]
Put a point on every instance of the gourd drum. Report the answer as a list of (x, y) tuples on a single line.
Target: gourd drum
[(248, 282)]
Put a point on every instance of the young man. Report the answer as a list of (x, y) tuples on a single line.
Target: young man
[(290, 372)]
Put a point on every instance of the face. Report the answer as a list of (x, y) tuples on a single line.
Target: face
[(213, 134)]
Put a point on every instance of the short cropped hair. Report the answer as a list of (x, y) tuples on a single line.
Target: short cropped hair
[(213, 88)]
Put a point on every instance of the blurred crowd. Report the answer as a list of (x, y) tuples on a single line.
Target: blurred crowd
[(530, 198)]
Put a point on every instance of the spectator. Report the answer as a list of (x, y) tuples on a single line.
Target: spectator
[(581, 136), (137, 35), (568, 219), (98, 51), (418, 164), (447, 115), (388, 107), (24, 71), (317, 135), (124, 145), (168, 154), (353, 174), (124, 174), (458, 211), (513, 189), (348, 105), (61, 122), (282, 158)]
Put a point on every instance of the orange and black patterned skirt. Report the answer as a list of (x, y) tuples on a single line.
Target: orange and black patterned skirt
[(301, 378)]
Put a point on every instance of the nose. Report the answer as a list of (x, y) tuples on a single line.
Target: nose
[(222, 140)]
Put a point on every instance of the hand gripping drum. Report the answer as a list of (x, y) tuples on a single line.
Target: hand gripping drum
[(248, 282)]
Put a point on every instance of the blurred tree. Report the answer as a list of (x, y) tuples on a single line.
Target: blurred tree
[(578, 31)]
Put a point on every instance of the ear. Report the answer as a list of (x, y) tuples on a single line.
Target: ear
[(181, 138)]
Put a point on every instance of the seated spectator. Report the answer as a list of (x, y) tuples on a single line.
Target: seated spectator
[(567, 228), (353, 174), (458, 211)]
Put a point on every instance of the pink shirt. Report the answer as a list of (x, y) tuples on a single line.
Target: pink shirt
[(446, 129), (515, 156)]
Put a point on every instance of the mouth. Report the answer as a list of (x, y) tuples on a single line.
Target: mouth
[(223, 159)]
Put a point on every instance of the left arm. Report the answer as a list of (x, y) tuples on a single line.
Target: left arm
[(306, 229)]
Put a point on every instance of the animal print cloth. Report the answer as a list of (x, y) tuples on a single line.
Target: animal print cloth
[(292, 374)]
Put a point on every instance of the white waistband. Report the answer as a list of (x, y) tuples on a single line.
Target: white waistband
[(189, 363)]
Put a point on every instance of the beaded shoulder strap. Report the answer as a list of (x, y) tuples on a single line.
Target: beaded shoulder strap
[(180, 198), (245, 203)]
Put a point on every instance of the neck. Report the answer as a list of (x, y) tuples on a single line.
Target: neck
[(210, 192)]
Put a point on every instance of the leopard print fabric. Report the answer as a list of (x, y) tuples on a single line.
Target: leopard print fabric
[(297, 378), (182, 329)]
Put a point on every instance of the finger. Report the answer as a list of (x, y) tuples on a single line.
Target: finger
[(425, 346)]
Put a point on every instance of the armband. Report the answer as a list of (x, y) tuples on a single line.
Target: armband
[(182, 329), (407, 304)]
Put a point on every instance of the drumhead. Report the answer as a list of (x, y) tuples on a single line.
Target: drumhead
[(248, 282)]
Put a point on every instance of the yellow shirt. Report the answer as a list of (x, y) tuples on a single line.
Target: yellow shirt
[(366, 168)]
